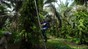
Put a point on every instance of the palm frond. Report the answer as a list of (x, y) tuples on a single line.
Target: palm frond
[(5, 3), (49, 1)]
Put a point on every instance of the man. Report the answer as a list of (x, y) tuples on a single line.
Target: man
[(4, 40), (45, 25)]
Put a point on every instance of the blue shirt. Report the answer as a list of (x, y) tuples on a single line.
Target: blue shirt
[(45, 25)]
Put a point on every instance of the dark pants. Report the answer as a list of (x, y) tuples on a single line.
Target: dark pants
[(44, 35)]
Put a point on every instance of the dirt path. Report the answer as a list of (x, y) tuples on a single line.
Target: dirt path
[(58, 43)]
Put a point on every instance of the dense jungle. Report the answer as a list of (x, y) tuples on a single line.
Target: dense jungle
[(43, 24)]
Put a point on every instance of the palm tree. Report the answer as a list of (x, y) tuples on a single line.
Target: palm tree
[(64, 9), (49, 1), (3, 15), (13, 12), (29, 22), (53, 10)]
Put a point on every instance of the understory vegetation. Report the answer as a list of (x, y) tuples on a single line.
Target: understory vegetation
[(67, 23)]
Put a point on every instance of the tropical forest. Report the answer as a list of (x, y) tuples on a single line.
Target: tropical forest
[(43, 24)]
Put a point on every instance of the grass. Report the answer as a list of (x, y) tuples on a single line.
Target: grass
[(58, 43)]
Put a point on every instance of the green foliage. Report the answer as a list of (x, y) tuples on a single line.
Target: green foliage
[(1, 33), (29, 22), (2, 9), (81, 17), (79, 32), (80, 2), (57, 44), (74, 25)]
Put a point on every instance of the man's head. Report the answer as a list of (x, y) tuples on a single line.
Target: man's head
[(48, 18)]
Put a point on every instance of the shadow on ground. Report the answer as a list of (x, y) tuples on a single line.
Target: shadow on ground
[(56, 44)]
